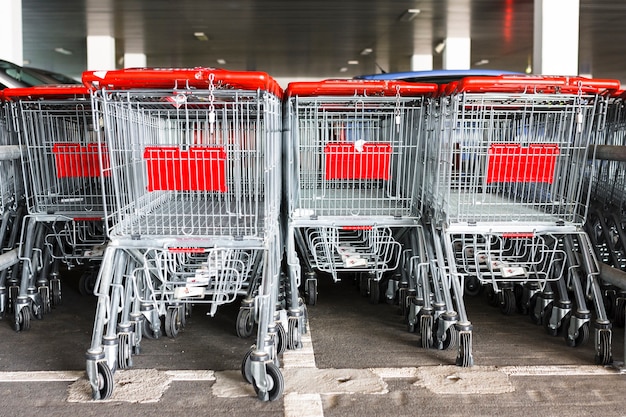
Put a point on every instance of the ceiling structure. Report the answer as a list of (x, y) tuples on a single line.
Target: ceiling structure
[(309, 39)]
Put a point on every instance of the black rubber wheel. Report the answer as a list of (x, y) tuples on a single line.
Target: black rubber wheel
[(22, 319), (172, 322), (246, 366), (508, 305), (293, 335), (124, 351), (620, 312), (311, 292), (55, 285), (105, 381), (426, 330), (547, 314), (245, 322), (465, 350), (364, 285), (275, 383), (37, 308), (374, 290), (581, 338), (87, 283), (535, 317), (492, 297), (603, 356), (472, 286), (149, 332), (450, 338), (281, 339), (44, 294)]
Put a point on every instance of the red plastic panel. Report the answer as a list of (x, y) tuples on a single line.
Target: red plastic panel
[(533, 84), (76, 161), (196, 169), (54, 91), (388, 88), (345, 162), (514, 163)]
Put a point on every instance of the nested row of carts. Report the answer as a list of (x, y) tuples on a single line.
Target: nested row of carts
[(172, 188)]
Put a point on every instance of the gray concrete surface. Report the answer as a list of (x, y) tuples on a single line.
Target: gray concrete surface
[(366, 364)]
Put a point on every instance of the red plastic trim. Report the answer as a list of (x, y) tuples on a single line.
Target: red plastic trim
[(533, 84), (55, 91), (338, 87)]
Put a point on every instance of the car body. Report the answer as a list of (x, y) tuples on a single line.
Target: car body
[(15, 76)]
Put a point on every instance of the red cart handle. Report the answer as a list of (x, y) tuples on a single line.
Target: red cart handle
[(56, 91), (346, 87), (533, 84), (160, 78)]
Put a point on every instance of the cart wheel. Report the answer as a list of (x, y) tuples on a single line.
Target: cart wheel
[(492, 297), (426, 330), (311, 292), (275, 384), (245, 322), (87, 283), (603, 356), (535, 317), (172, 322), (364, 285), (149, 332), (13, 293), (465, 350), (44, 294), (124, 352), (294, 338), (105, 381), (55, 285), (187, 313), (22, 319), (451, 337), (508, 306), (472, 286), (374, 290), (579, 339), (37, 308), (281, 339), (246, 365), (547, 314)]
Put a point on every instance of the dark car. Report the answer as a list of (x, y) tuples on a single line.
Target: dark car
[(13, 75)]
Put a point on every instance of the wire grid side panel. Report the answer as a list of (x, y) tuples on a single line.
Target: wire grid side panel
[(536, 258), (357, 156), (62, 157), (609, 177), (176, 170), (10, 173), (522, 158)]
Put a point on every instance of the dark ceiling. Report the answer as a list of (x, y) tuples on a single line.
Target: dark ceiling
[(309, 39)]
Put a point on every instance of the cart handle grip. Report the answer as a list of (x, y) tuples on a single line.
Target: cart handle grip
[(533, 84), (340, 87), (55, 91), (161, 78)]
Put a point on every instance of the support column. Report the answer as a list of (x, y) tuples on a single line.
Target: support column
[(457, 53), (100, 53), (421, 62), (100, 35), (134, 60), (556, 32), (11, 40)]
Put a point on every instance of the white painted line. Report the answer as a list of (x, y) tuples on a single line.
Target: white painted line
[(392, 373), (303, 405), (41, 376), (191, 375), (557, 370), (300, 358)]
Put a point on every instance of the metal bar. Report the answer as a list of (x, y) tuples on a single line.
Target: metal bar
[(608, 152), (10, 152), (613, 276)]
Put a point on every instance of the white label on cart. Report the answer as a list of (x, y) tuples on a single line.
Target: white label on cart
[(354, 261), (303, 213), (184, 292), (346, 250), (198, 280), (509, 271)]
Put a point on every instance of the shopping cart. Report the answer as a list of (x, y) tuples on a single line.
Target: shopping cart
[(194, 191), (506, 202), (11, 206), (61, 168), (607, 211), (353, 183)]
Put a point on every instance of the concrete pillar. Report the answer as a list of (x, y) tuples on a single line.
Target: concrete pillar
[(421, 62), (134, 60), (100, 53), (457, 53), (556, 32), (11, 40)]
